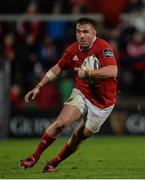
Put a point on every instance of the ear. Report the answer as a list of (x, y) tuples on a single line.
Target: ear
[(95, 32)]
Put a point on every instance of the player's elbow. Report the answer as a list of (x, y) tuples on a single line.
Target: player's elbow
[(114, 71)]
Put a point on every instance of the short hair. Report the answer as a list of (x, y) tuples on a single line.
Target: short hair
[(87, 20)]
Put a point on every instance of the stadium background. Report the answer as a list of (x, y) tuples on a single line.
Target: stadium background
[(33, 36)]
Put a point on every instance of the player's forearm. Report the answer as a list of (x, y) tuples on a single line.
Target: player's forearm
[(104, 72), (50, 76)]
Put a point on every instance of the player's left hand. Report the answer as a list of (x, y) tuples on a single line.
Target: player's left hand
[(83, 73)]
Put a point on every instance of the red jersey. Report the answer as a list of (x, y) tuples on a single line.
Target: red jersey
[(103, 92)]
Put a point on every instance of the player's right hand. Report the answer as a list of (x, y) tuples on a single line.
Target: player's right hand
[(83, 73), (31, 94)]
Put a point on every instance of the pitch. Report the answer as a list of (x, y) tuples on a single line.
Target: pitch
[(98, 158)]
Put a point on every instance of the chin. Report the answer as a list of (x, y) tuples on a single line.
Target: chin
[(84, 45)]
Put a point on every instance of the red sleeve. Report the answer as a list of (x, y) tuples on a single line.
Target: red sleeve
[(66, 60), (106, 54)]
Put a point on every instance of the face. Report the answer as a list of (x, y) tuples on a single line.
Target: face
[(85, 34)]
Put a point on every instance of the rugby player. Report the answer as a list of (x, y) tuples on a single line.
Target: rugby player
[(92, 102)]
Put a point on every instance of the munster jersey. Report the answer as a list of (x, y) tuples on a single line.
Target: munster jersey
[(102, 92)]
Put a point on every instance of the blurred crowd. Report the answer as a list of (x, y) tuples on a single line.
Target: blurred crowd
[(32, 47)]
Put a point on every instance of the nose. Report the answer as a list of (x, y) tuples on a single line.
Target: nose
[(82, 35)]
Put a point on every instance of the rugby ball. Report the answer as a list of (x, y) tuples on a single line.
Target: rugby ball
[(91, 62)]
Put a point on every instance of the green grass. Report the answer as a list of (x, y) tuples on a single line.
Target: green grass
[(98, 158)]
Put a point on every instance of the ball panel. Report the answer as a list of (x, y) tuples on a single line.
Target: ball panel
[(91, 63)]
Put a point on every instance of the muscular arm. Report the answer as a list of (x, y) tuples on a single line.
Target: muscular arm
[(104, 72), (56, 70)]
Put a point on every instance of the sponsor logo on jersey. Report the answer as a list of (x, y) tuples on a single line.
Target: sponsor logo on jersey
[(75, 58), (108, 53)]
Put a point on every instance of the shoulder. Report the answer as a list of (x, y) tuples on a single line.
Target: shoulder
[(72, 47), (102, 43)]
